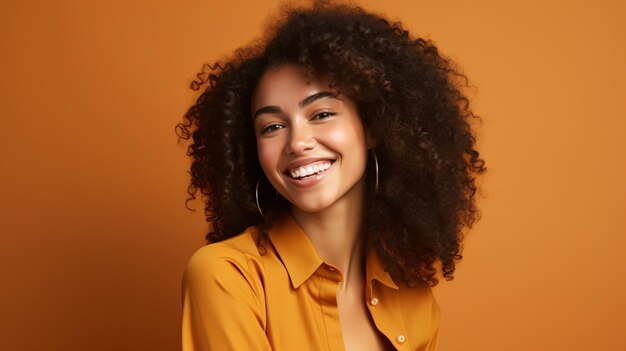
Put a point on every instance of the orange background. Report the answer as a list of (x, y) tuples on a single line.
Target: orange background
[(95, 235)]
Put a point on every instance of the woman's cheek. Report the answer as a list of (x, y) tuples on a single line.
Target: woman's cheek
[(342, 137), (269, 152)]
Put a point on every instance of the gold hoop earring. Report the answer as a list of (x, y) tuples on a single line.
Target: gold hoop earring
[(256, 195)]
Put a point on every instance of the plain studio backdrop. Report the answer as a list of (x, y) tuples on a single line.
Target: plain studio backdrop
[(95, 235)]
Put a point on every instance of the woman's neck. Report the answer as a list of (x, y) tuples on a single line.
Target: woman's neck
[(336, 234)]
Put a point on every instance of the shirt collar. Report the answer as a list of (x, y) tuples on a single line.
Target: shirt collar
[(375, 268), (301, 259)]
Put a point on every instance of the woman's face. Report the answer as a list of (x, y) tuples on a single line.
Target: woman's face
[(311, 144)]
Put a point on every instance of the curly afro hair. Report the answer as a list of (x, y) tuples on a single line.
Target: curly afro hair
[(409, 99)]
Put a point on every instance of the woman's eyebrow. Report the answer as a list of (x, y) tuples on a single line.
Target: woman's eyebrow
[(267, 109), (307, 101), (316, 96)]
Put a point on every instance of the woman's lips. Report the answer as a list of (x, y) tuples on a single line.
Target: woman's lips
[(311, 180), (309, 169)]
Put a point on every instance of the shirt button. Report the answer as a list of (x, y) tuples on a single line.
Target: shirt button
[(331, 269), (400, 339), (374, 301)]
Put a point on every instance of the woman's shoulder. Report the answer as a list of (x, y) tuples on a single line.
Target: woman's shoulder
[(236, 251)]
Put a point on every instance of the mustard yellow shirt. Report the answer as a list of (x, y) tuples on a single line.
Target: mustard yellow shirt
[(234, 298)]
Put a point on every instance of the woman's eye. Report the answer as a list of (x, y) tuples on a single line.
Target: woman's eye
[(271, 128), (323, 115)]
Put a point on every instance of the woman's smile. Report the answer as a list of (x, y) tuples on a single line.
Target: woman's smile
[(308, 167), (310, 174)]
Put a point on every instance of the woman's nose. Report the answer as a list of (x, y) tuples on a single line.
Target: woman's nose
[(301, 139)]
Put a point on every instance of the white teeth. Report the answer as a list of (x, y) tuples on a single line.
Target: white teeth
[(308, 170)]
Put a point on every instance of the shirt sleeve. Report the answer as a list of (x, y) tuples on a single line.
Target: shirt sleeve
[(436, 318), (223, 306), (432, 344)]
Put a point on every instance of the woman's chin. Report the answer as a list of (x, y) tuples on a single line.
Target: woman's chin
[(310, 206)]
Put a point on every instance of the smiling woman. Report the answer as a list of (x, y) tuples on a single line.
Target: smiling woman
[(338, 167)]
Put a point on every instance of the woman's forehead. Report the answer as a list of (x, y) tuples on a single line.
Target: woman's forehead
[(287, 84)]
